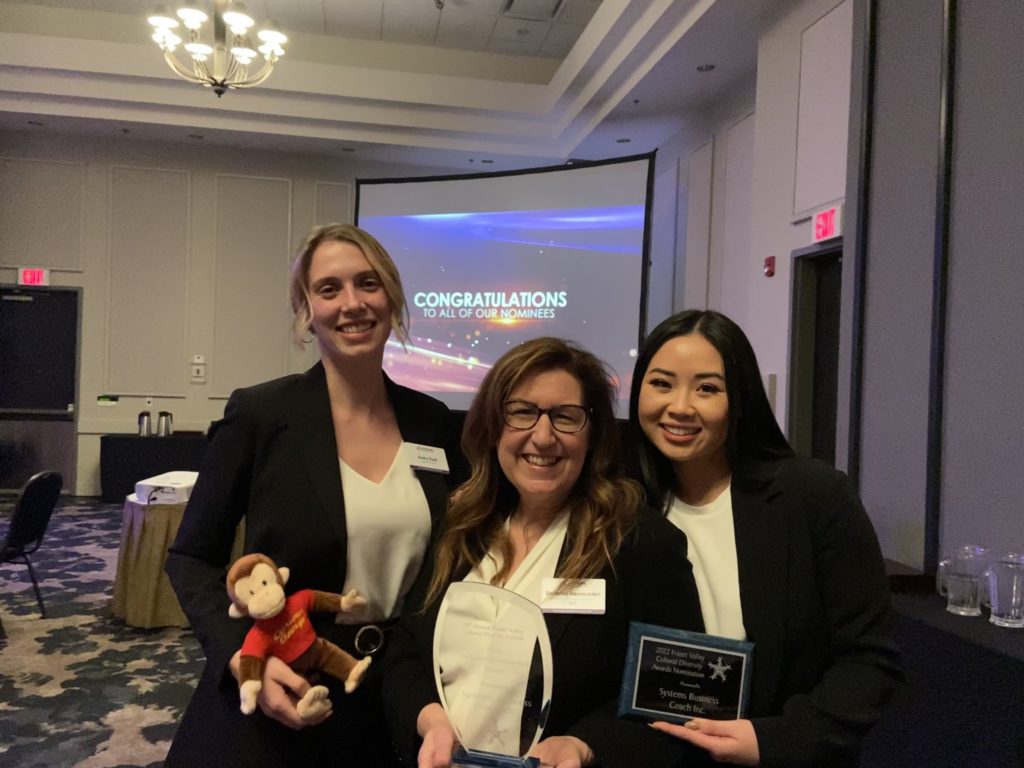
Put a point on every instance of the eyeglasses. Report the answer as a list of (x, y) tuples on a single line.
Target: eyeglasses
[(522, 414)]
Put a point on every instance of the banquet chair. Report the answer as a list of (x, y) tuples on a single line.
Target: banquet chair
[(29, 521)]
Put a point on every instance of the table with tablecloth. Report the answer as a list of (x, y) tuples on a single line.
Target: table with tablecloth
[(143, 596)]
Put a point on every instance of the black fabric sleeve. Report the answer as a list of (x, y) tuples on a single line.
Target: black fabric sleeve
[(408, 667), (198, 558), (826, 725), (657, 581)]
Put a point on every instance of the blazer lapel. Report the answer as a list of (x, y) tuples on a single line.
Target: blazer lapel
[(762, 554), (559, 622), (416, 429), (311, 419)]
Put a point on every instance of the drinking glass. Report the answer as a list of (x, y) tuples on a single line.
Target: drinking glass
[(1006, 590), (963, 580)]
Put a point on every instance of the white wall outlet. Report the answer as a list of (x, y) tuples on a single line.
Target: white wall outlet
[(198, 375), (198, 360)]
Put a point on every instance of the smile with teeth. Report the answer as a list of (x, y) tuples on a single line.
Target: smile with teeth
[(539, 461), (680, 431), (357, 327)]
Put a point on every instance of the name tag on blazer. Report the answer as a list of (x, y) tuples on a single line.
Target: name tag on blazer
[(426, 457), (586, 596)]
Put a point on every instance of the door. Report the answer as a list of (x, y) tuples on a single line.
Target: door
[(38, 382), (814, 345)]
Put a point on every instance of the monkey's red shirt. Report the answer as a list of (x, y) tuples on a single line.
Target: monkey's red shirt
[(287, 635)]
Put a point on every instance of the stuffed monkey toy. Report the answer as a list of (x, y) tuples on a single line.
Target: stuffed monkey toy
[(281, 628)]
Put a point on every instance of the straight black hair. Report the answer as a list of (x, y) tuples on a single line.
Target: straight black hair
[(753, 433)]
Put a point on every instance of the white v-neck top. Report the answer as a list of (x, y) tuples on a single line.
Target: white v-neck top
[(712, 552), (539, 564), (388, 527)]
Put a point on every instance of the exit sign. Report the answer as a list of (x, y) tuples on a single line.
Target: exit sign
[(33, 276), (826, 224)]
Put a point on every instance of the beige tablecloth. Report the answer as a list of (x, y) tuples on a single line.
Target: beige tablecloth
[(142, 592)]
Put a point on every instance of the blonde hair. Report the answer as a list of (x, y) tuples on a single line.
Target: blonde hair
[(603, 503), (375, 254)]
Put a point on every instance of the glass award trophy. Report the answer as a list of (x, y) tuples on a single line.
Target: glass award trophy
[(493, 669)]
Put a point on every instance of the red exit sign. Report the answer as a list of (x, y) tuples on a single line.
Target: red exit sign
[(827, 224), (33, 276)]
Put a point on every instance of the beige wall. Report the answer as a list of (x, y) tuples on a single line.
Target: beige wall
[(746, 206), (179, 251)]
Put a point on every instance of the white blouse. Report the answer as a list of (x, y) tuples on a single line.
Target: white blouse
[(712, 552), (539, 564), (388, 526)]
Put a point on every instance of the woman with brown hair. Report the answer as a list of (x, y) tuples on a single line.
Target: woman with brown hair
[(545, 499)]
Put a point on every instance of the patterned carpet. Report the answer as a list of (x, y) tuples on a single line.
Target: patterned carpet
[(80, 688)]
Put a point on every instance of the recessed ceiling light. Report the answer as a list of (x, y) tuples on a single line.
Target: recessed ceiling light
[(623, 141), (705, 67)]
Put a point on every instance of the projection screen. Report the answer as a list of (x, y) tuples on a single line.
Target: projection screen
[(490, 260)]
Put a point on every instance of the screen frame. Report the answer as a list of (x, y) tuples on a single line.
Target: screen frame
[(569, 165)]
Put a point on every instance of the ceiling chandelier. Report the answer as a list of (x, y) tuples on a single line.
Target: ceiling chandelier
[(225, 64)]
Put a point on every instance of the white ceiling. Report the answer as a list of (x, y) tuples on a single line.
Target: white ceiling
[(396, 80), (520, 27)]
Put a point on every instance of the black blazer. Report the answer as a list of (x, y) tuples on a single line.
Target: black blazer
[(652, 581), (816, 605), (273, 459)]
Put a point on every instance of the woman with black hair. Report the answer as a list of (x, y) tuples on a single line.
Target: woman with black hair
[(783, 553)]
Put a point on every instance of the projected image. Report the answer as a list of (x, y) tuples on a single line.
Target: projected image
[(479, 282)]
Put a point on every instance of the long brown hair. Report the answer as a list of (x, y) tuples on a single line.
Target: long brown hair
[(603, 503)]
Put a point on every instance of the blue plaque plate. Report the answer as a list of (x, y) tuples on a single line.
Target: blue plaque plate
[(675, 675), (475, 758)]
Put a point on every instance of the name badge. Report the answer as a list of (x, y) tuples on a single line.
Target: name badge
[(427, 457), (585, 596)]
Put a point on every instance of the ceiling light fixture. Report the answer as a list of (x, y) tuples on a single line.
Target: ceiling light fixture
[(225, 64)]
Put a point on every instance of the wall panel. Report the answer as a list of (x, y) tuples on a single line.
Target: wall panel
[(148, 278), (982, 450), (41, 204), (898, 290), (737, 261), (824, 110), (251, 315), (333, 203), (692, 293)]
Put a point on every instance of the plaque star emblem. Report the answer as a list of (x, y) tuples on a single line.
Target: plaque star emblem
[(719, 669)]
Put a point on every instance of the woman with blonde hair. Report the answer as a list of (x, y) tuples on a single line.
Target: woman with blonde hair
[(545, 499), (315, 465)]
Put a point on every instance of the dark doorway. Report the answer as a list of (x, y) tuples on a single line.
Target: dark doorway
[(38, 382), (814, 345)]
